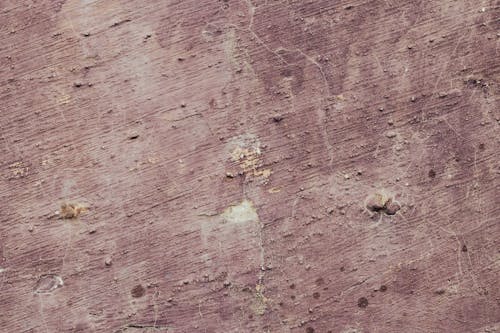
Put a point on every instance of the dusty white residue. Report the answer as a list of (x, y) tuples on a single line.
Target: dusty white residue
[(240, 214)]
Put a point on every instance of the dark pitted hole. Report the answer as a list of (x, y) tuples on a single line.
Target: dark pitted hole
[(432, 173), (138, 291), (362, 302), (320, 281), (383, 288), (481, 146), (277, 118), (309, 330), (464, 248), (392, 208), (292, 297), (292, 286), (316, 295)]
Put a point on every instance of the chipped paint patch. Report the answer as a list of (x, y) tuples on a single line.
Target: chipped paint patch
[(71, 210), (19, 169), (264, 173), (248, 158), (240, 214), (246, 152)]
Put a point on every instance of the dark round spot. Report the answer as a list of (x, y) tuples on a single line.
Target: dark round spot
[(362, 302), (320, 281), (432, 173), (342, 269), (292, 286), (464, 248), (138, 291), (286, 72), (383, 288), (292, 297), (316, 295), (309, 330), (481, 146), (250, 316)]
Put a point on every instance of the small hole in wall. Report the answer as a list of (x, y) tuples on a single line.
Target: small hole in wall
[(363, 302)]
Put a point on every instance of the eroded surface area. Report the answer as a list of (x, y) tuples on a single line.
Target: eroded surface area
[(249, 166)]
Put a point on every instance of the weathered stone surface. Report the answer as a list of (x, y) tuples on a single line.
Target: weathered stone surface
[(224, 152)]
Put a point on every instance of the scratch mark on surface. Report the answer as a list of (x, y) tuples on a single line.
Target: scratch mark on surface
[(251, 10), (441, 72)]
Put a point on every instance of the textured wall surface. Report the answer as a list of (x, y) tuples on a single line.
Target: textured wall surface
[(249, 166)]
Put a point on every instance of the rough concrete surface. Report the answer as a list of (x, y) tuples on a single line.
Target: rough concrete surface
[(249, 166)]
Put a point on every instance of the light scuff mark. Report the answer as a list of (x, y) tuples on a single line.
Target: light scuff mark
[(241, 213)]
